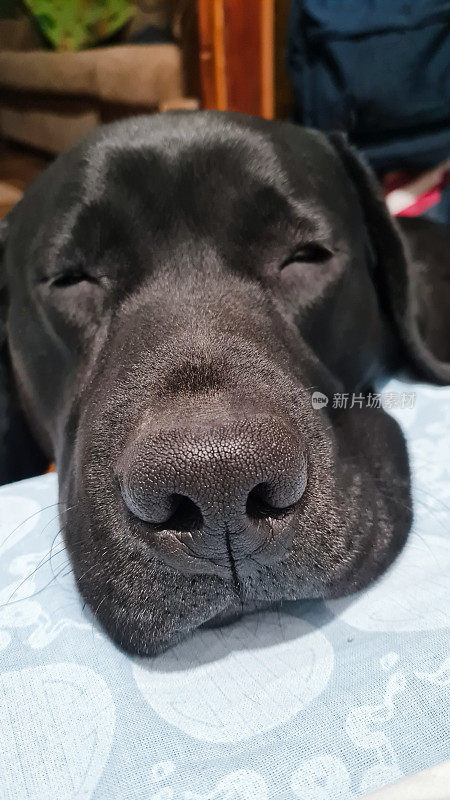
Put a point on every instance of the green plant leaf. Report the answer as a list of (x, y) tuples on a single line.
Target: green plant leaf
[(74, 24)]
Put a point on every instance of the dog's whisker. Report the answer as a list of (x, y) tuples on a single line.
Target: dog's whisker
[(35, 594), (433, 496), (41, 564), (47, 559), (27, 519)]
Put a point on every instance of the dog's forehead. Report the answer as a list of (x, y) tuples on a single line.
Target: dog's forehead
[(165, 151), (189, 149)]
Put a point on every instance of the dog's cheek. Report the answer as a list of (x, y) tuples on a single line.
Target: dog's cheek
[(356, 512)]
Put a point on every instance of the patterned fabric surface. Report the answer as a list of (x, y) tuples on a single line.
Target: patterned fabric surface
[(317, 701)]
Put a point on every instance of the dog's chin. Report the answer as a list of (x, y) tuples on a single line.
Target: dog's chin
[(144, 607), (143, 631)]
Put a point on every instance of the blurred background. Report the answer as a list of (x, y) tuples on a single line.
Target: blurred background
[(378, 69)]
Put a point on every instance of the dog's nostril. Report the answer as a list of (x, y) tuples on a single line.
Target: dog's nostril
[(258, 506), (186, 515)]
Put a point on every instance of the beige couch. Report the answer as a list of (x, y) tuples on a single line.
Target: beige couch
[(48, 99)]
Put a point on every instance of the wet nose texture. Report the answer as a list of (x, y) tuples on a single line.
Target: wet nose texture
[(217, 483)]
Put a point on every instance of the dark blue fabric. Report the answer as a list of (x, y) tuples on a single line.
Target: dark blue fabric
[(379, 69), (441, 211)]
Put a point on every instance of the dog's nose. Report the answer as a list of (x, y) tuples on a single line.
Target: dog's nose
[(215, 481)]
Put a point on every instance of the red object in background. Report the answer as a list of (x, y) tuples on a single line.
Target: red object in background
[(411, 194)]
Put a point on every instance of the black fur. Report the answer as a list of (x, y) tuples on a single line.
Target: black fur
[(191, 278)]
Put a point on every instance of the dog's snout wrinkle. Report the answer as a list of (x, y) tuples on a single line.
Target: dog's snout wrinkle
[(218, 485)]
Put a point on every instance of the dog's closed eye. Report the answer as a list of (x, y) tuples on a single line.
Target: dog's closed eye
[(71, 278), (308, 254)]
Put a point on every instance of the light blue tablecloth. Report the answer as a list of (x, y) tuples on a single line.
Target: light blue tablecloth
[(321, 701)]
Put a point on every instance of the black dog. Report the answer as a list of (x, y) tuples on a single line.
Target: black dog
[(173, 291)]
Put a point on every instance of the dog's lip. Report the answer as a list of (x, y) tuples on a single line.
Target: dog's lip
[(175, 552), (177, 549)]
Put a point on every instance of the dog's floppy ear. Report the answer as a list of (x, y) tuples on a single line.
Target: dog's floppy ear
[(393, 270), (20, 457)]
